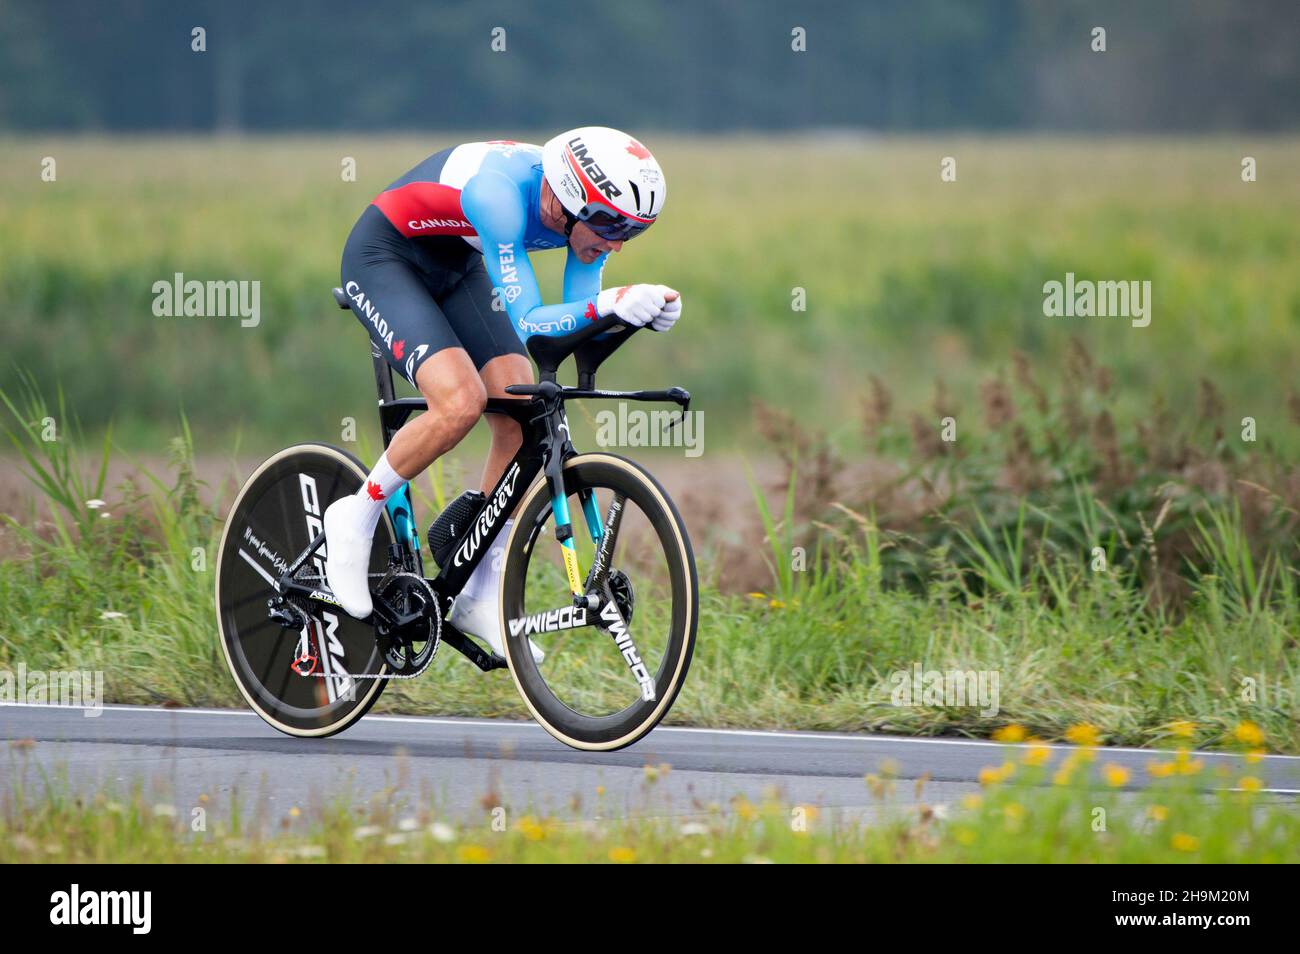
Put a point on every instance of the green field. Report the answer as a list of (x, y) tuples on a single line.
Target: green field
[(1079, 440), (906, 277)]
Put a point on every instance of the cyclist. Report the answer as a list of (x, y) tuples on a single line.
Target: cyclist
[(437, 271)]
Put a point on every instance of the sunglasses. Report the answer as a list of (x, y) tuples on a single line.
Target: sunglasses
[(612, 225)]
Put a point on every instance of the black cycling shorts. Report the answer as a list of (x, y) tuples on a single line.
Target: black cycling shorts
[(417, 297)]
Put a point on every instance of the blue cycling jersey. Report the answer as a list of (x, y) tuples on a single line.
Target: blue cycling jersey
[(489, 193)]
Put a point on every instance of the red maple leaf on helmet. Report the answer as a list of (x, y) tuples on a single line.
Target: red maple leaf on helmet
[(399, 348), (374, 490), (590, 314), (638, 150)]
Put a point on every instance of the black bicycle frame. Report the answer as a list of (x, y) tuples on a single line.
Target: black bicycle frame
[(545, 448)]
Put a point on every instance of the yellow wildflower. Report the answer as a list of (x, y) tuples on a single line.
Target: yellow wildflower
[(1083, 734), (1037, 755), (1116, 775), (530, 828), (1248, 733), (1186, 765), (622, 855), (1185, 842), (1010, 733)]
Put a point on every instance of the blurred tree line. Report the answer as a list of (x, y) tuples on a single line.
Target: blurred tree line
[(130, 65)]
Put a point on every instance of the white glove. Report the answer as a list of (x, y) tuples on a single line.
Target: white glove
[(638, 305), (670, 312)]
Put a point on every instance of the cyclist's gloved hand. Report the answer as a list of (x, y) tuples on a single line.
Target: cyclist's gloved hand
[(670, 312), (638, 305)]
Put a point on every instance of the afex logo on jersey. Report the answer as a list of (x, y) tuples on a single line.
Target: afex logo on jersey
[(510, 289)]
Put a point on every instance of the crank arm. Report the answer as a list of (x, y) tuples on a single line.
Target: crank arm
[(471, 650), (323, 599)]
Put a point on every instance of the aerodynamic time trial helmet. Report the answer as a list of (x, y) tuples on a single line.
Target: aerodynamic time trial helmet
[(605, 179)]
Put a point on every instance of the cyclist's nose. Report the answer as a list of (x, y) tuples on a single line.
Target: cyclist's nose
[(615, 246)]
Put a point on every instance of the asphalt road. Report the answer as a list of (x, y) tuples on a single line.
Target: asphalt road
[(459, 766)]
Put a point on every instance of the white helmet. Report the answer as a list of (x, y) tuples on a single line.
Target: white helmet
[(606, 179)]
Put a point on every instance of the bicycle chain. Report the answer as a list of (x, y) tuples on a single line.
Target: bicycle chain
[(437, 636)]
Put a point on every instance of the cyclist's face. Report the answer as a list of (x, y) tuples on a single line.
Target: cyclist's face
[(589, 246)]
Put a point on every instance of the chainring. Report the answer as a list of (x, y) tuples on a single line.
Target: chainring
[(621, 589), (401, 650)]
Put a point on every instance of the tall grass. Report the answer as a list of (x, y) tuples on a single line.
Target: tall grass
[(978, 585)]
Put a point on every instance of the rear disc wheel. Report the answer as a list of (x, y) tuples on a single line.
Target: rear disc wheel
[(275, 516)]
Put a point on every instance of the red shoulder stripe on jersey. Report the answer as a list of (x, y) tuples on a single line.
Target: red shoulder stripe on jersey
[(424, 208)]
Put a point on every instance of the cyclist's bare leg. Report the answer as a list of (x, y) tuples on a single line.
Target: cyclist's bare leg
[(456, 398), (506, 436), (475, 610)]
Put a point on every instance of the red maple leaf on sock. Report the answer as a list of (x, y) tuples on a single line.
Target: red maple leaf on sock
[(374, 490)]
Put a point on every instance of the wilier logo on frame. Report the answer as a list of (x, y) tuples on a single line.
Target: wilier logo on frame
[(1087, 299)]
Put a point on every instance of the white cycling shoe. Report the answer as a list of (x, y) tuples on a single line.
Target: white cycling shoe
[(479, 618), (347, 556)]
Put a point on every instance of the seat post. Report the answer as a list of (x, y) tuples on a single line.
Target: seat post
[(383, 380), (384, 388)]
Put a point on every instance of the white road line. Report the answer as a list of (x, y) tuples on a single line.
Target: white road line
[(754, 733)]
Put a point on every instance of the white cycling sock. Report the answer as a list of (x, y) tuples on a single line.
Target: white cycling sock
[(485, 582), (382, 483)]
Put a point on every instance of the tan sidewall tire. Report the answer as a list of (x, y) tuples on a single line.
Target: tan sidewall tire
[(687, 644)]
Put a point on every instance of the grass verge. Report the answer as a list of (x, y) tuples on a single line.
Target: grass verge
[(1037, 806)]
